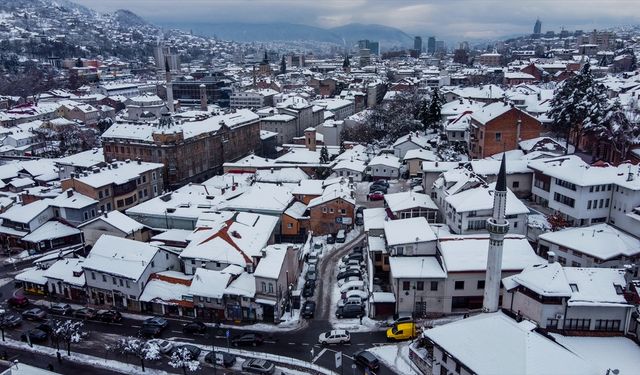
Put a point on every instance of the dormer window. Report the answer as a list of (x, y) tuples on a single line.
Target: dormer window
[(574, 287), (619, 289)]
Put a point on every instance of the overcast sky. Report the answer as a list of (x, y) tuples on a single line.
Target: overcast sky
[(446, 19)]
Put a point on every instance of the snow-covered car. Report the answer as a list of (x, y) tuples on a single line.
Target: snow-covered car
[(336, 336), (345, 268), (349, 263), (356, 293), (163, 345), (350, 301), (312, 259), (352, 285), (349, 279)]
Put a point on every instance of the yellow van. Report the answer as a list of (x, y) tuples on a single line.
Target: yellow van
[(402, 331)]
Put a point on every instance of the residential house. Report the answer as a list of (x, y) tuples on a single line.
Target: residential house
[(384, 167), (113, 223), (410, 204), (414, 159), (333, 210), (411, 141)]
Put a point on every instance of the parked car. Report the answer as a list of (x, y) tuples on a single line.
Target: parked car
[(352, 285), (156, 321), (350, 301), (34, 335), (35, 313), (352, 256), (109, 316), (349, 263), (312, 268), (46, 326), (360, 210), (402, 331), (346, 280), (341, 237), (149, 331), (336, 336), (331, 239), (18, 301), (85, 313), (308, 310), (258, 366), (164, 346), (309, 289), (400, 318), (349, 311), (311, 275), (349, 273), (381, 182), (366, 359), (11, 320), (356, 293), (359, 220), (222, 359), (416, 181), (194, 351), (194, 327), (376, 196), (61, 309), (317, 246), (253, 339), (312, 259)]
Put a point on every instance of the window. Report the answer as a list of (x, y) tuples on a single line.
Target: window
[(444, 357), (108, 206), (106, 192), (331, 210), (114, 281), (420, 285), (406, 285), (104, 278), (343, 211), (153, 176), (552, 323), (93, 275), (144, 178), (480, 284), (264, 286), (515, 184), (578, 324), (434, 285), (121, 282), (476, 224), (575, 264), (574, 287), (601, 203), (126, 283), (498, 137), (459, 285), (565, 184), (324, 210), (607, 203), (289, 225), (270, 288), (588, 205), (564, 199), (100, 194), (607, 325), (86, 215)]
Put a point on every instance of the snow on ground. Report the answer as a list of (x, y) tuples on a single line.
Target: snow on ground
[(396, 357), (351, 325), (113, 365), (5, 281), (23, 255), (606, 353)]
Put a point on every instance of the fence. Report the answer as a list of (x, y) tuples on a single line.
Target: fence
[(421, 363), (291, 362)]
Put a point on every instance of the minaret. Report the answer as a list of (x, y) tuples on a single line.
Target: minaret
[(203, 98), (167, 69), (497, 226)]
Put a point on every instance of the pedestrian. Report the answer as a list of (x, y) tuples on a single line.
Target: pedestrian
[(5, 356), (50, 367), (59, 357), (360, 319)]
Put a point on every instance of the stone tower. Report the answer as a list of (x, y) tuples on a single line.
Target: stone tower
[(498, 227), (168, 78)]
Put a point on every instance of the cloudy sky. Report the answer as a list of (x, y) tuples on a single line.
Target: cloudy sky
[(447, 19)]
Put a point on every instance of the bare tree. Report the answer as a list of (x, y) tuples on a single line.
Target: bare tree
[(181, 358), (67, 331), (141, 349)]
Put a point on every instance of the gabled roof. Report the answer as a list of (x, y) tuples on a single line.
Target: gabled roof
[(481, 198), (120, 256), (331, 192), (601, 241), (408, 231), (117, 220), (407, 200)]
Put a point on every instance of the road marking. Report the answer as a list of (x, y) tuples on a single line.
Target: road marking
[(135, 327), (269, 342), (318, 355), (179, 339), (305, 344), (176, 331), (292, 343), (360, 344)]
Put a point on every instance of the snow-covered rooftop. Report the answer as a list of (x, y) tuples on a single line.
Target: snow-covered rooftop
[(601, 241), (412, 230), (425, 267), (120, 256)]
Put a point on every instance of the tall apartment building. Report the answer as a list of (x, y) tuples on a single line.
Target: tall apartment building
[(190, 151)]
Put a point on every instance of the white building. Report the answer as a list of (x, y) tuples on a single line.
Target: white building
[(384, 167)]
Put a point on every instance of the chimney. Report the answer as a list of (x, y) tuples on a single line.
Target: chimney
[(106, 214), (69, 193), (518, 128), (310, 138), (203, 98), (630, 175), (139, 161), (551, 257)]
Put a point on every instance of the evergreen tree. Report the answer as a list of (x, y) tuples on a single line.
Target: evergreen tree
[(434, 113), (283, 66), (615, 129), (324, 155)]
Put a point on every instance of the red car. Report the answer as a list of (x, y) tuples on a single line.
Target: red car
[(18, 301), (376, 196)]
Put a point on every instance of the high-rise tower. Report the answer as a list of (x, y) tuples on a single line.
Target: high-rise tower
[(498, 227), (537, 28), (168, 78)]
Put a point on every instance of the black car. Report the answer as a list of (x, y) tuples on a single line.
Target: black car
[(331, 239), (194, 327), (350, 256), (245, 339), (308, 310), (309, 289), (349, 311), (110, 316), (11, 321), (222, 359), (345, 274), (194, 351), (381, 188), (34, 335), (258, 366), (360, 210), (149, 331), (366, 359), (46, 327), (381, 182), (359, 220)]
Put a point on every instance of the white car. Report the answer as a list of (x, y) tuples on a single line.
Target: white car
[(356, 300), (341, 282), (350, 263), (336, 336), (357, 293), (163, 345), (352, 285)]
